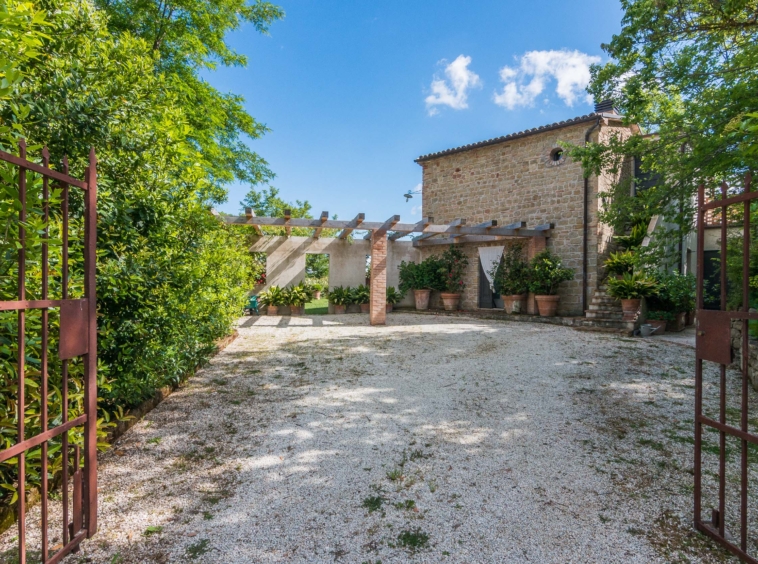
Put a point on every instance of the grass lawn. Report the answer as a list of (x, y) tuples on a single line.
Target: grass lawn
[(317, 307)]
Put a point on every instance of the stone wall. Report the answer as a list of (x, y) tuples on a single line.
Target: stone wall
[(517, 180)]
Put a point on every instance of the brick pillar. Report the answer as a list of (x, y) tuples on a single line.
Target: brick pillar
[(536, 245), (378, 315)]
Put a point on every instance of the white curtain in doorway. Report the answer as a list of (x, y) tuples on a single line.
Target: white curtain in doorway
[(490, 257)]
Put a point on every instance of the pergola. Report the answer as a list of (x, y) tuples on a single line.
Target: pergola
[(379, 233)]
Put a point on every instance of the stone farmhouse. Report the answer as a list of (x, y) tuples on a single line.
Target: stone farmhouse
[(526, 177)]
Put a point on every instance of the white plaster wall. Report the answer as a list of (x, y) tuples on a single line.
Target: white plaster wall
[(285, 260)]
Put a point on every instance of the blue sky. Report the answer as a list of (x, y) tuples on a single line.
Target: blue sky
[(355, 91)]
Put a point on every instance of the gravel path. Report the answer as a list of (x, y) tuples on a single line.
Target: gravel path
[(432, 439)]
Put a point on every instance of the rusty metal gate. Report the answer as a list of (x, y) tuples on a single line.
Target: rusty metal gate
[(714, 344), (77, 337)]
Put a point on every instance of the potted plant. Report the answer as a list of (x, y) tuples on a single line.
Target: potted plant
[(393, 297), (317, 288), (272, 298), (659, 320), (296, 297), (546, 272), (452, 266), (676, 295), (620, 263), (422, 278), (630, 289), (511, 279), (339, 297), (362, 296)]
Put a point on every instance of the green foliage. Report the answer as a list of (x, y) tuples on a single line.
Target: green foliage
[(687, 73), (636, 236), (676, 292), (171, 278), (297, 295), (317, 284), (511, 276), (657, 315), (632, 287), (394, 295), (360, 295), (340, 296), (620, 263), (546, 271), (317, 266), (452, 266), (273, 296), (425, 275)]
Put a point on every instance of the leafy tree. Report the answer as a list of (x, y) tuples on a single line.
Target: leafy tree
[(171, 278), (268, 203), (686, 72), (186, 36)]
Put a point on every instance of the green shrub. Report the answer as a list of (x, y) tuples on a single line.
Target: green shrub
[(394, 296), (296, 295), (546, 272), (620, 263), (657, 315), (676, 292), (361, 295), (421, 276), (340, 296), (452, 267), (632, 287), (511, 276), (273, 296)]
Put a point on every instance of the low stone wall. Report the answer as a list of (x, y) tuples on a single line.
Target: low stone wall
[(752, 364)]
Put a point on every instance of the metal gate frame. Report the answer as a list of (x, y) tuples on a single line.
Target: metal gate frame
[(713, 343), (78, 337)]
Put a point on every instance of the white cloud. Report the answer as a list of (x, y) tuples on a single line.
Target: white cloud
[(453, 91), (526, 81)]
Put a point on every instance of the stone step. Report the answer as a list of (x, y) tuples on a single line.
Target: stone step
[(607, 316), (606, 302), (601, 310)]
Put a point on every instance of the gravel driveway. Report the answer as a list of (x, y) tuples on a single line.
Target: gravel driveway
[(432, 439)]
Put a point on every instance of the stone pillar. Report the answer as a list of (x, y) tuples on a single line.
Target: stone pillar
[(536, 246), (378, 315)]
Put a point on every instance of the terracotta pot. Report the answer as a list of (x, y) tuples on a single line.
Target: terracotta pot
[(353, 308), (317, 295), (297, 310), (547, 305), (515, 303), (339, 309), (365, 308), (690, 320), (679, 323), (658, 324), (272, 310), (451, 301), (389, 308), (422, 299), (630, 308)]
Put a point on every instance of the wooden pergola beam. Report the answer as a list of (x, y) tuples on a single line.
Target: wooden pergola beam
[(386, 226), (454, 225), (453, 240), (429, 230), (354, 224), (516, 225), (323, 219), (420, 226), (485, 225), (287, 217)]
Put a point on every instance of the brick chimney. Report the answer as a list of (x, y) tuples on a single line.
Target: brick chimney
[(605, 107)]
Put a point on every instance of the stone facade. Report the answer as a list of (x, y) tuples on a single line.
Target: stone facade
[(520, 179)]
